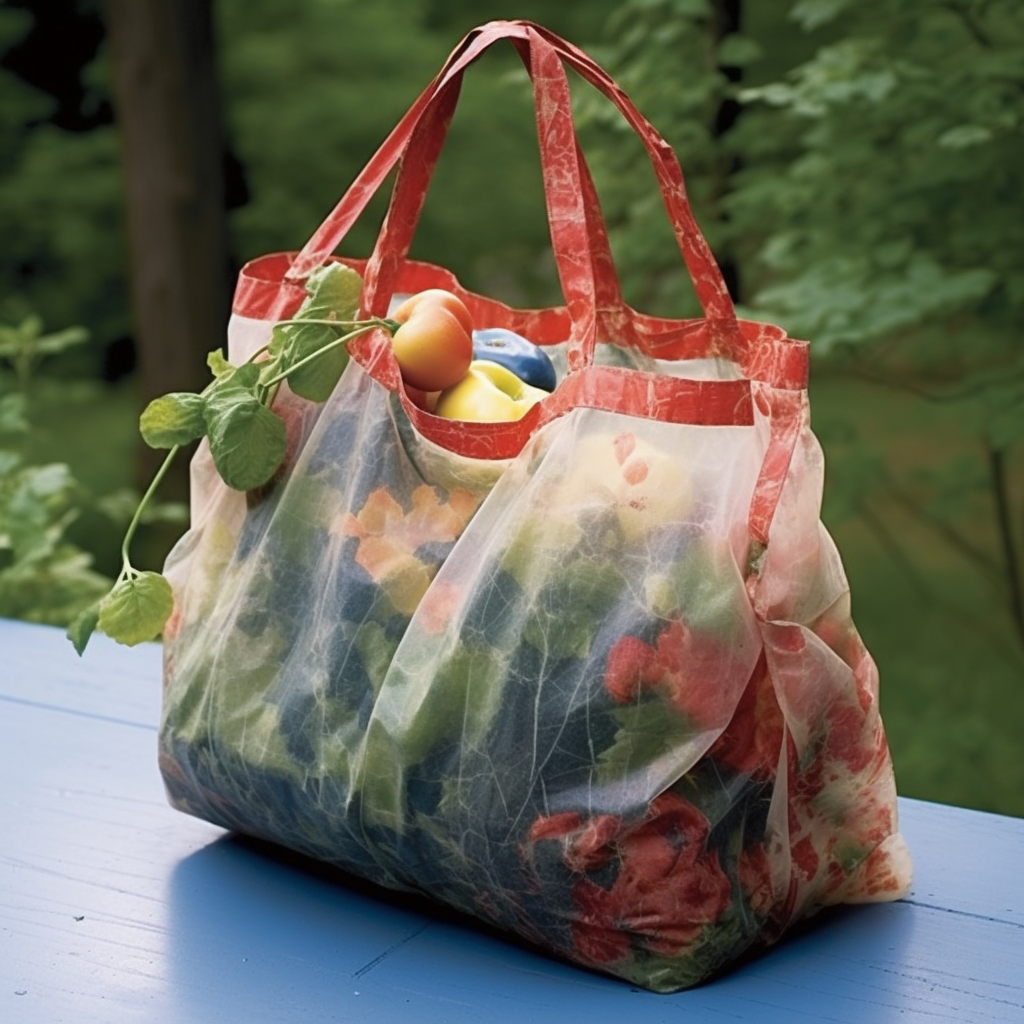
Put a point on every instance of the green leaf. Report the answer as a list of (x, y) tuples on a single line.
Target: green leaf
[(137, 609), (280, 342), (414, 716), (647, 731), (377, 651), (219, 366), (333, 294), (247, 441), (738, 51), (83, 627), (9, 462), (334, 291), (237, 379), (569, 610), (705, 589), (810, 14), (51, 587), (316, 380), (173, 419), (60, 341), (12, 414), (965, 135), (36, 507), (31, 327)]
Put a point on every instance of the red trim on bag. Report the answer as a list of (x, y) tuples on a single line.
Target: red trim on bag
[(786, 418), (262, 293), (717, 403), (765, 352)]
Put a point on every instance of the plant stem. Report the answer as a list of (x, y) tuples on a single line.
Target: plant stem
[(343, 340), (997, 469), (126, 566), (377, 321)]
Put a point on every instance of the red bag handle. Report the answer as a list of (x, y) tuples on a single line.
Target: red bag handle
[(332, 231), (580, 242), (580, 233)]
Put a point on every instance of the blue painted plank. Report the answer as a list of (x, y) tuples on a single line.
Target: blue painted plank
[(39, 666), (965, 861), (113, 907)]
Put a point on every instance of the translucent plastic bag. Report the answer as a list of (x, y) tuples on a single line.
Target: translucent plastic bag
[(591, 675)]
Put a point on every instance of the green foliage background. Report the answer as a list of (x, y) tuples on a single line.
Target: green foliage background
[(855, 165)]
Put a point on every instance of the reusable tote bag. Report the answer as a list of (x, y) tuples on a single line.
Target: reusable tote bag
[(589, 675)]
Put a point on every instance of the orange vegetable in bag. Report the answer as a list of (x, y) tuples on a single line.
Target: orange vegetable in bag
[(433, 346), (431, 297)]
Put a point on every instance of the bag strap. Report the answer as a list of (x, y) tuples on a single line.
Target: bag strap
[(579, 240), (712, 292), (577, 228), (335, 227)]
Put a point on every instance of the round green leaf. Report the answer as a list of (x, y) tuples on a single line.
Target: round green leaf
[(316, 380), (137, 609), (218, 364), (333, 290), (241, 378), (83, 626), (247, 441), (333, 293), (173, 419)]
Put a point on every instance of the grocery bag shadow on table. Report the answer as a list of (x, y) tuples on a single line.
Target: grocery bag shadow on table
[(248, 915)]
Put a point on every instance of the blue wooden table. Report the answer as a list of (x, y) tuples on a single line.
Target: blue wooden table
[(116, 908)]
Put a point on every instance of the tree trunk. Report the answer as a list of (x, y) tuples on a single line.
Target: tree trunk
[(168, 112), (726, 19)]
